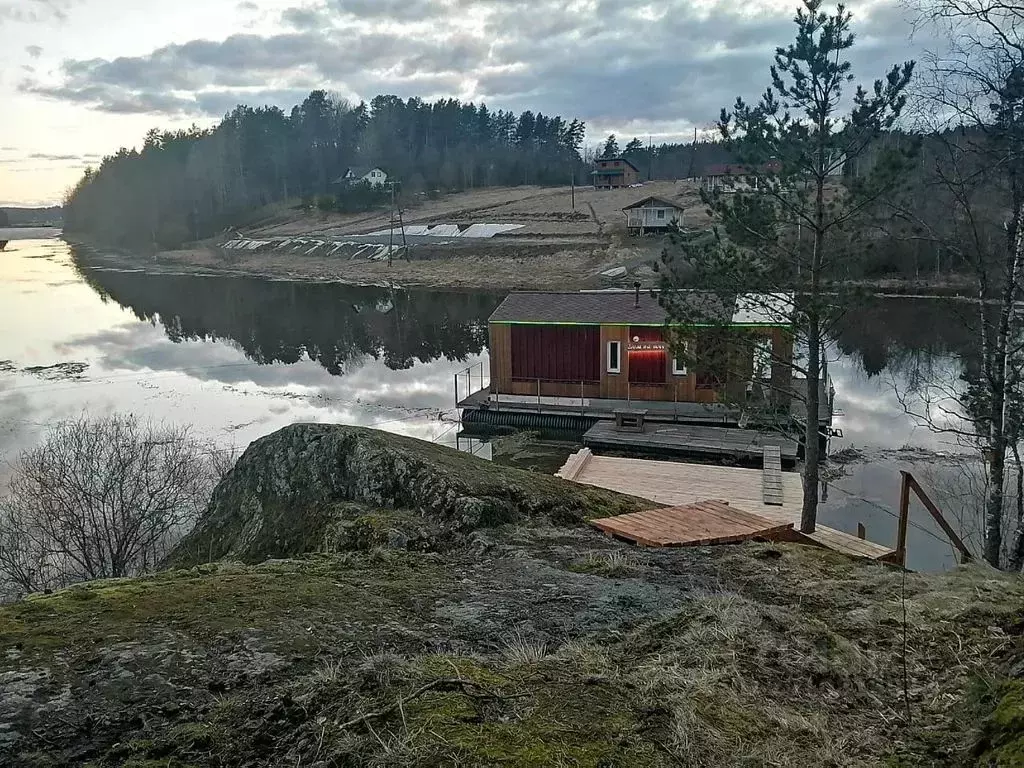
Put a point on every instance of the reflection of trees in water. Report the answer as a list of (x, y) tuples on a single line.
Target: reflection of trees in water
[(906, 336), (279, 322)]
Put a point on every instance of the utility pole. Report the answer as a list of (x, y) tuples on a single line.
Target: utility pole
[(391, 225), (650, 158), (396, 214), (693, 154), (572, 191), (401, 221)]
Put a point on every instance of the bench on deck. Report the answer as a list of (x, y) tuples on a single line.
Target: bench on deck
[(629, 420)]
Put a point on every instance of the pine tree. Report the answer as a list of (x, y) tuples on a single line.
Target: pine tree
[(788, 226), (611, 147), (634, 148)]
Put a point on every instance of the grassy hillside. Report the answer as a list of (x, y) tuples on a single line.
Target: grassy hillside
[(554, 648), (407, 605)]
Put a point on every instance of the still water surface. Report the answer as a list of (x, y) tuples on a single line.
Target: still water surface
[(238, 358)]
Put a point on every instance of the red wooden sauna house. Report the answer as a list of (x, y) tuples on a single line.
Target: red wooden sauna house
[(574, 360)]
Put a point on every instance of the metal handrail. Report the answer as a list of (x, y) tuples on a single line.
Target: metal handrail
[(468, 373)]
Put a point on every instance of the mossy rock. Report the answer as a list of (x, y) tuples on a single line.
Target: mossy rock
[(290, 490)]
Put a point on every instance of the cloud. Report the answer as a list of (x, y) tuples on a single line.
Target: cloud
[(47, 156), (35, 11), (204, 77), (34, 51), (620, 66), (248, 6), (398, 10), (304, 19), (34, 158)]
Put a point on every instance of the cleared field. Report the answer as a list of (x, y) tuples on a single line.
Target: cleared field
[(553, 244), (541, 212)]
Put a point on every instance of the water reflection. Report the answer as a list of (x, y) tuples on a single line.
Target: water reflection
[(234, 358), (905, 335), (285, 322), (238, 358)]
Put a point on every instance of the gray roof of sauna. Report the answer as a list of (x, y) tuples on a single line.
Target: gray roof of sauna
[(618, 307)]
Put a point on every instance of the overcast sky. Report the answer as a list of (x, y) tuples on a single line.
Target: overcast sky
[(81, 78)]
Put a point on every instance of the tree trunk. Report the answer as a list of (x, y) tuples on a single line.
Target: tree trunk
[(994, 507), (1017, 548), (1001, 379), (812, 448)]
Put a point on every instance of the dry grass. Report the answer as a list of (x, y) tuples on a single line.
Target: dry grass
[(793, 658), (614, 563), (379, 670), (330, 671), (520, 650)]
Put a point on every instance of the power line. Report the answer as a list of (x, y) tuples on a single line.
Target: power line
[(892, 514)]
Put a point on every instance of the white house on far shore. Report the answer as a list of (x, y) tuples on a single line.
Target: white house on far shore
[(652, 214), (373, 176)]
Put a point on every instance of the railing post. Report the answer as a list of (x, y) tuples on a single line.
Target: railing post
[(538, 395), (965, 553), (901, 531), (581, 399)]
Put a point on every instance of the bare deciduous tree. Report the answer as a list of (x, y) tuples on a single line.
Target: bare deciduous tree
[(974, 96), (102, 498)]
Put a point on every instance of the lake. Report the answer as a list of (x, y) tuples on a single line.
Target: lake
[(238, 358)]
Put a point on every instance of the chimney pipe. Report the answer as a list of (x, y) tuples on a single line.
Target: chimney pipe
[(636, 296)]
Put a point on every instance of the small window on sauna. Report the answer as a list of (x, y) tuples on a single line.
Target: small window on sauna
[(679, 366), (614, 357), (661, 213)]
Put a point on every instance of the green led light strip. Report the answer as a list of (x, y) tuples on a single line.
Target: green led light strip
[(641, 325)]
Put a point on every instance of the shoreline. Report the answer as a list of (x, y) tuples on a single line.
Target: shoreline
[(494, 267), (491, 267)]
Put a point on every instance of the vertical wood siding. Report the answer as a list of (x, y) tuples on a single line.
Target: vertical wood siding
[(556, 352), (501, 356), (563, 356)]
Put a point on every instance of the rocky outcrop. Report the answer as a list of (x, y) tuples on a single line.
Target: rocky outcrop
[(310, 487)]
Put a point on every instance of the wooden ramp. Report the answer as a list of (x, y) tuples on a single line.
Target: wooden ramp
[(674, 483), (707, 522)]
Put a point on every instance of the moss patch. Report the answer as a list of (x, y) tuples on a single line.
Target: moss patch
[(1002, 739), (208, 600)]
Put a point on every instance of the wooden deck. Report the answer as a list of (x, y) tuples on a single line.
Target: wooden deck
[(708, 522), (745, 445), (675, 484), (657, 410)]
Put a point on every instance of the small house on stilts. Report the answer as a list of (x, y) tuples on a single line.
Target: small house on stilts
[(652, 215)]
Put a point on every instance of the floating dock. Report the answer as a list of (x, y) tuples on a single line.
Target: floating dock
[(769, 494), (705, 430), (742, 445)]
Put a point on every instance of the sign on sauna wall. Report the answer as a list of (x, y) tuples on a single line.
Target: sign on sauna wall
[(647, 346)]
